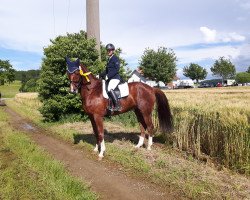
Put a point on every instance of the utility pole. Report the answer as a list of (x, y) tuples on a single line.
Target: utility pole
[(93, 22)]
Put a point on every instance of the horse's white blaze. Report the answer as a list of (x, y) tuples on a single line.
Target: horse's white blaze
[(96, 148), (140, 143), (72, 89), (150, 142), (103, 148)]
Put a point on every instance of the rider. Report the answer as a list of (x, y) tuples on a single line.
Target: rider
[(111, 75)]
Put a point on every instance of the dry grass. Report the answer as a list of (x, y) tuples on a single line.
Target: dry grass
[(29, 99), (214, 122)]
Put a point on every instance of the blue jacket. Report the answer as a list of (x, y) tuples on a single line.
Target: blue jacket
[(112, 69)]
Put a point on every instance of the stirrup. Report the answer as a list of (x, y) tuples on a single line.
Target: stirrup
[(110, 105), (117, 107)]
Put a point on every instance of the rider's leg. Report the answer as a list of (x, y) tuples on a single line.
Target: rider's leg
[(112, 85)]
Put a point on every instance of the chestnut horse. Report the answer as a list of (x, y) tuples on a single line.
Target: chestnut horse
[(141, 99)]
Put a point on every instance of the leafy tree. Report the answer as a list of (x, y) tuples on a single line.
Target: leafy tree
[(24, 76), (223, 68), (243, 77), (53, 84), (248, 70), (29, 86), (159, 65), (7, 73), (195, 72), (28, 79)]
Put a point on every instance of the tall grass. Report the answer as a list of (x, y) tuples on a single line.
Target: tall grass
[(214, 122)]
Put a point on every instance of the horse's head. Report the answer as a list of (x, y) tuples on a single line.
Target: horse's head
[(77, 74)]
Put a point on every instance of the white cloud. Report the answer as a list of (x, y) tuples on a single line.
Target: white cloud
[(242, 61), (209, 34), (214, 53), (233, 37)]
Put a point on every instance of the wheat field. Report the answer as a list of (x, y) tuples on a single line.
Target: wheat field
[(214, 121)]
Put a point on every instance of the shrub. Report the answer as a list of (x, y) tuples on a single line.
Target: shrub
[(243, 77), (54, 83), (29, 86)]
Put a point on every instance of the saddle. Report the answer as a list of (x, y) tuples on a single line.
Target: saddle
[(121, 90), (114, 96)]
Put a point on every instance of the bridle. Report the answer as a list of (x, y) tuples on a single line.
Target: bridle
[(78, 84)]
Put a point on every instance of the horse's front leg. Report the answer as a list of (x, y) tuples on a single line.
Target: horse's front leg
[(97, 123), (95, 132)]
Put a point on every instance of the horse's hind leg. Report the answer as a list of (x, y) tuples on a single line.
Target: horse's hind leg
[(142, 128)]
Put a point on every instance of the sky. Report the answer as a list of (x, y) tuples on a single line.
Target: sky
[(197, 31)]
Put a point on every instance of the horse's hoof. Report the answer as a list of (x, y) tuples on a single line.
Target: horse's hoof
[(100, 158), (149, 149)]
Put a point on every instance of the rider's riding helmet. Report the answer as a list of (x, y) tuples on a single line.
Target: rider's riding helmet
[(110, 47)]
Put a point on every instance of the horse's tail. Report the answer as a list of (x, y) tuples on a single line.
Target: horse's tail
[(164, 114)]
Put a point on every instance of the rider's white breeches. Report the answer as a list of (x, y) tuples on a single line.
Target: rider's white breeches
[(113, 84)]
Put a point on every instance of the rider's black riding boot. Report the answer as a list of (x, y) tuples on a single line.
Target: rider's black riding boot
[(115, 100)]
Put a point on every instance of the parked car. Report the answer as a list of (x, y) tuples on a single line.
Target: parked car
[(219, 85), (205, 85)]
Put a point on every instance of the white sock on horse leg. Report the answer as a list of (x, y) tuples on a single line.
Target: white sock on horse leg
[(150, 142), (103, 148), (140, 143), (96, 148)]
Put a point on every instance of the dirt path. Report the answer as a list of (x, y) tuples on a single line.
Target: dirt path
[(107, 181)]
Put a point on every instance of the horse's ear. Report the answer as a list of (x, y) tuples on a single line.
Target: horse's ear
[(68, 61), (77, 62)]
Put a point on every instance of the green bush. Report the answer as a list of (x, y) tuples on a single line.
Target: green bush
[(243, 77), (29, 86), (53, 85)]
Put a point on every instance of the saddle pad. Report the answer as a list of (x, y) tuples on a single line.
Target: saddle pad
[(123, 88)]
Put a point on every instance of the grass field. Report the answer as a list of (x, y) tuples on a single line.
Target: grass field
[(191, 109), (10, 90), (27, 172)]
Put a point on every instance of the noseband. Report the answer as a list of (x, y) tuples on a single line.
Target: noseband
[(82, 74), (77, 84)]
